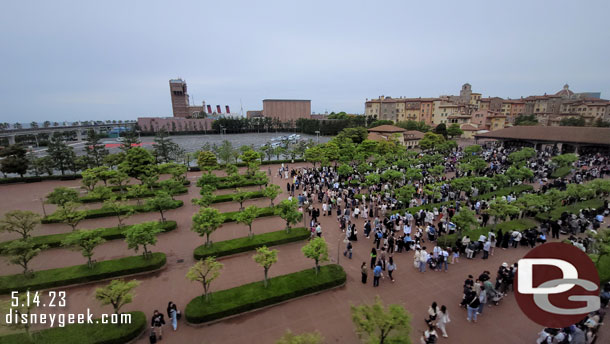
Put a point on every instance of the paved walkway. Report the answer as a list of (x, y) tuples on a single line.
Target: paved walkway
[(328, 312)]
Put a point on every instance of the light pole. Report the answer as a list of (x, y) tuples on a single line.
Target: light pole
[(318, 136)]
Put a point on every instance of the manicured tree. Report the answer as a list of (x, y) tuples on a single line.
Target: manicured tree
[(164, 148), (62, 154), (303, 338), (120, 179), (265, 258), (137, 163), (62, 195), (251, 158), (119, 208), (95, 150), (260, 178), (150, 177), (85, 241), (376, 324), (531, 203), (22, 222), (391, 176), (247, 216), (580, 191), (241, 197), (207, 179), (405, 194), (314, 155), (601, 246), (288, 210), (454, 130), (21, 252), (431, 141), (206, 221), (14, 160), (70, 214), (114, 160), (205, 272), (372, 179), (90, 179), (137, 191), (437, 170), (465, 220), (345, 170), (316, 249), (172, 187), (118, 293), (473, 149), (501, 209), (271, 192), (231, 169), (160, 202), (142, 234)]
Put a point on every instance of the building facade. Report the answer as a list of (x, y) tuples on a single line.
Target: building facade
[(287, 109), (180, 100)]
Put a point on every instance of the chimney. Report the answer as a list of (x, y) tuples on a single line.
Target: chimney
[(218, 110), (209, 108), (227, 108)]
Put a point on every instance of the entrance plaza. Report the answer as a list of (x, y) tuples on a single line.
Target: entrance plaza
[(327, 312)]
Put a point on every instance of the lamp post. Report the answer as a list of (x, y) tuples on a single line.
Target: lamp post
[(318, 136)]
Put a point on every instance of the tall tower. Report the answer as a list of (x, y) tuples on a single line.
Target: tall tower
[(465, 93), (180, 97)]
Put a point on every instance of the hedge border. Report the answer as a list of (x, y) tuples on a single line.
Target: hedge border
[(518, 224), (97, 213), (517, 189), (97, 333), (111, 233), (244, 244), (90, 199), (229, 197), (256, 296), (79, 274), (229, 216), (35, 179), (574, 208), (243, 164), (561, 172)]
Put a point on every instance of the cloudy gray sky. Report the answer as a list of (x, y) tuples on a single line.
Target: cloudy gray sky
[(79, 60)]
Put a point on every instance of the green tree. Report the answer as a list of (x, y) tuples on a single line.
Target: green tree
[(345, 170), (251, 158), (472, 150), (206, 221), (61, 154), (137, 163), (160, 202), (90, 179), (601, 246), (114, 160), (224, 151), (21, 252), (22, 309), (573, 122), (70, 214), (85, 241), (130, 140), (247, 216), (120, 179), (431, 141), (288, 211), (316, 249), (119, 208), (22, 222), (501, 209), (356, 135), (164, 148), (240, 197), (377, 325), (14, 160), (271, 192), (564, 159), (526, 120), (95, 150), (142, 234), (465, 220), (314, 155), (441, 129), (265, 258), (137, 191), (42, 165), (454, 130), (519, 158), (205, 272), (405, 193), (118, 293), (303, 338), (437, 170)]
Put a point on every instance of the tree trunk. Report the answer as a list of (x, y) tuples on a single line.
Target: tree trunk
[(265, 282)]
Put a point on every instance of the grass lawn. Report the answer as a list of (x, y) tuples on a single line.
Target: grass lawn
[(251, 296), (96, 213), (555, 214), (52, 278), (112, 233), (228, 247), (84, 333), (519, 224), (561, 172), (229, 216)]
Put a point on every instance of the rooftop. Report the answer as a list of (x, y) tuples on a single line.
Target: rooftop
[(286, 100), (586, 135), (386, 128)]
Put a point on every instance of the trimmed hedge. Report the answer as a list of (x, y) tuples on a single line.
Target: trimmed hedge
[(561, 172), (555, 214), (512, 225), (252, 296), (96, 333), (228, 247), (229, 216), (92, 199), (517, 189), (52, 278), (603, 268), (246, 182), (242, 164), (112, 233), (33, 179), (229, 197), (95, 213)]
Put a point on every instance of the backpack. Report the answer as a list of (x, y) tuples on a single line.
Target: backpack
[(431, 339)]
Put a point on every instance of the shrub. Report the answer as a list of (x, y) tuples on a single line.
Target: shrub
[(96, 333), (555, 214), (230, 215), (228, 247), (93, 199), (33, 179), (52, 278), (229, 197), (95, 213), (251, 296), (242, 164), (112, 233), (561, 172)]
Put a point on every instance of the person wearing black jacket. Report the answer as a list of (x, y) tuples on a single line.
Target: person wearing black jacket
[(157, 321), (472, 304)]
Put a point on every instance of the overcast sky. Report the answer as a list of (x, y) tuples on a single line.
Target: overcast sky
[(80, 60)]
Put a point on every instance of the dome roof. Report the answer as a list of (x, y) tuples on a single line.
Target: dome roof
[(565, 92)]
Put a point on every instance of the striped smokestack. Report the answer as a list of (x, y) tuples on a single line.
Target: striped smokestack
[(227, 108), (209, 108), (218, 109)]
